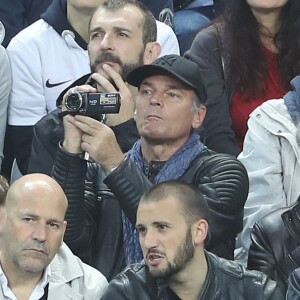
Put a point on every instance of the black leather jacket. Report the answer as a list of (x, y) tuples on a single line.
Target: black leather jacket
[(293, 291), (94, 230), (49, 131), (225, 280), (275, 244)]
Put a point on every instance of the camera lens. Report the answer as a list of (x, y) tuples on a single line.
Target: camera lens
[(74, 101)]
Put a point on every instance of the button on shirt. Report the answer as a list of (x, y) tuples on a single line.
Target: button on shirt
[(37, 293)]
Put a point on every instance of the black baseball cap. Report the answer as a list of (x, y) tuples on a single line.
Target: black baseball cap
[(183, 69)]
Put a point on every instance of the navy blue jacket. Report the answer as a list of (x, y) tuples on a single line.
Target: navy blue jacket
[(18, 14)]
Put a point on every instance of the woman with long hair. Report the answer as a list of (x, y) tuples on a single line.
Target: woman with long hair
[(248, 55)]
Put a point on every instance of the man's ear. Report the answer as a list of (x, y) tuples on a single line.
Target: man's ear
[(151, 53), (199, 231), (64, 230), (199, 116)]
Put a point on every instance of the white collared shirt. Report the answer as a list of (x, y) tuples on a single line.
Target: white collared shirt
[(37, 293)]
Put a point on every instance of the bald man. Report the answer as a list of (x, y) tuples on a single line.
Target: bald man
[(34, 262)]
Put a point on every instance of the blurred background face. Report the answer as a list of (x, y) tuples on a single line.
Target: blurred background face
[(116, 38), (85, 4), (266, 4), (33, 230)]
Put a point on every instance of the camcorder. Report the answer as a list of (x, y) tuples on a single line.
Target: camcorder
[(94, 105)]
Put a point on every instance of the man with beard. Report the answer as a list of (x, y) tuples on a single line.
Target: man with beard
[(173, 225), (122, 36), (46, 58), (103, 196), (34, 262)]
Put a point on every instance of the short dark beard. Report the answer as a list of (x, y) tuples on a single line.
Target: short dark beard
[(126, 68), (184, 255)]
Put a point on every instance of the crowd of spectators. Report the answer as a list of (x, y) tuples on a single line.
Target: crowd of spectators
[(206, 100)]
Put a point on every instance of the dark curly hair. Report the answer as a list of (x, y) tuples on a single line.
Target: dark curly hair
[(246, 65)]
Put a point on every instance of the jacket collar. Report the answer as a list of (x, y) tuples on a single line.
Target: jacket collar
[(64, 269), (291, 220), (64, 266)]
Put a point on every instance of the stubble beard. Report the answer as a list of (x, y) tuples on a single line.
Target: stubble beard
[(183, 256)]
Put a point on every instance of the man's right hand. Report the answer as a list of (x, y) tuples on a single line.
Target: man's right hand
[(119, 86), (73, 135)]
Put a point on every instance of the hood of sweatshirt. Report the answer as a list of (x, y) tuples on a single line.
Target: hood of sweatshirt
[(56, 16)]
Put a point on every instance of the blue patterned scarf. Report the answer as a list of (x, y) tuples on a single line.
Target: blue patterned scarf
[(174, 168), (292, 100)]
